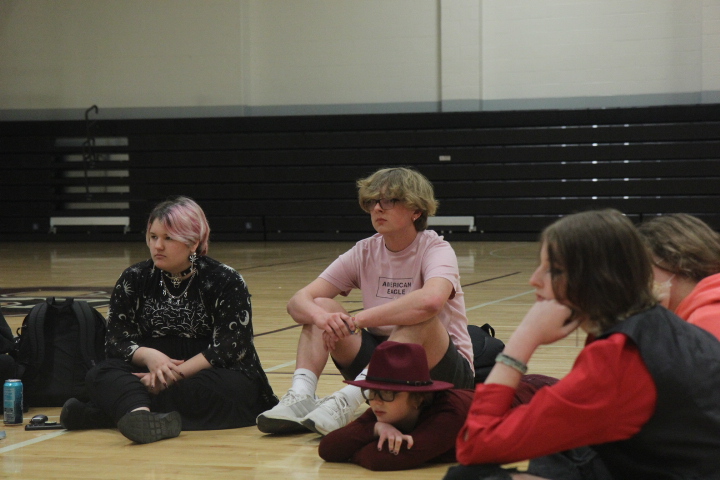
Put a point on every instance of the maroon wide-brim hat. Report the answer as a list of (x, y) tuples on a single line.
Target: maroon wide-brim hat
[(400, 367)]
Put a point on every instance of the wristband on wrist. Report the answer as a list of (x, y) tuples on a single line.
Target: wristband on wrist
[(512, 363)]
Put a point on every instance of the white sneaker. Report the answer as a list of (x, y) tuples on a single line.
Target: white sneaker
[(332, 412), (285, 417)]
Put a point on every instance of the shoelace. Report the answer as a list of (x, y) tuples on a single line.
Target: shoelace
[(337, 408), (289, 398)]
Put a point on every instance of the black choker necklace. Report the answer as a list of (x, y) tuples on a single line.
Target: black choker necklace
[(177, 279)]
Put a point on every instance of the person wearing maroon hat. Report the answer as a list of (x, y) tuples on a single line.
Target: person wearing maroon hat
[(412, 419)]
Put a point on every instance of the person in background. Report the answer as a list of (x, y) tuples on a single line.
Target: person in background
[(411, 292), (412, 419), (179, 341), (686, 266), (642, 400)]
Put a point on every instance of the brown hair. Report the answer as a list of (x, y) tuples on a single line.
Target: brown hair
[(402, 183), (683, 245), (600, 266)]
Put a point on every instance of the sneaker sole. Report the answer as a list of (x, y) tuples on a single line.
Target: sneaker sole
[(146, 427), (279, 425), (310, 425)]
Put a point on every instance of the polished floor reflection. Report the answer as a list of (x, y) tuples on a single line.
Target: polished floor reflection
[(494, 276)]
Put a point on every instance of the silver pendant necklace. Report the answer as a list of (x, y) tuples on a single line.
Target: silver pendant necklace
[(176, 299)]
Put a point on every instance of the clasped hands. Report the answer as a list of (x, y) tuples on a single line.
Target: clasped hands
[(336, 326), (162, 371)]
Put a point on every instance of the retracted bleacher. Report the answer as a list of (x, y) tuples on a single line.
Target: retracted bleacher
[(504, 175)]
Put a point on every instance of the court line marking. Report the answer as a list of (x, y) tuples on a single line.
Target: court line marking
[(276, 331), (489, 279), (242, 269), (10, 448), (278, 367), (498, 301)]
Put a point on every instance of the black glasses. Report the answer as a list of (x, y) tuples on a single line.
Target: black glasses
[(385, 395), (385, 203)]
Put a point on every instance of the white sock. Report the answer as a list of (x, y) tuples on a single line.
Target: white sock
[(304, 382), (353, 393)]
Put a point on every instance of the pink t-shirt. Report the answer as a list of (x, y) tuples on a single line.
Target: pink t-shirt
[(384, 276)]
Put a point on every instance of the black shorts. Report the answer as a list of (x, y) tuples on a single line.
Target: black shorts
[(452, 368)]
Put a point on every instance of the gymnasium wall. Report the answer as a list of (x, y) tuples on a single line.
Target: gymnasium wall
[(267, 111), (173, 59)]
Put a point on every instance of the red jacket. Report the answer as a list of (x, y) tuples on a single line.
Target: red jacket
[(607, 396)]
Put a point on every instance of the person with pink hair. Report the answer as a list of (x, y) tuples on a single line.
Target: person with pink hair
[(179, 341)]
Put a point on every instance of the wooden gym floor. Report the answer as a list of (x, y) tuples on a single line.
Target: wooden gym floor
[(494, 277)]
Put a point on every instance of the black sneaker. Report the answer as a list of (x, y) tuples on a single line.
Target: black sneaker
[(142, 426), (77, 415)]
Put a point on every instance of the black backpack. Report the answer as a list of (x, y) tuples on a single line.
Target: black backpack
[(58, 343), (485, 348)]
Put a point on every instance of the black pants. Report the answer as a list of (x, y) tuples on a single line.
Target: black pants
[(576, 464), (212, 399), (452, 368)]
